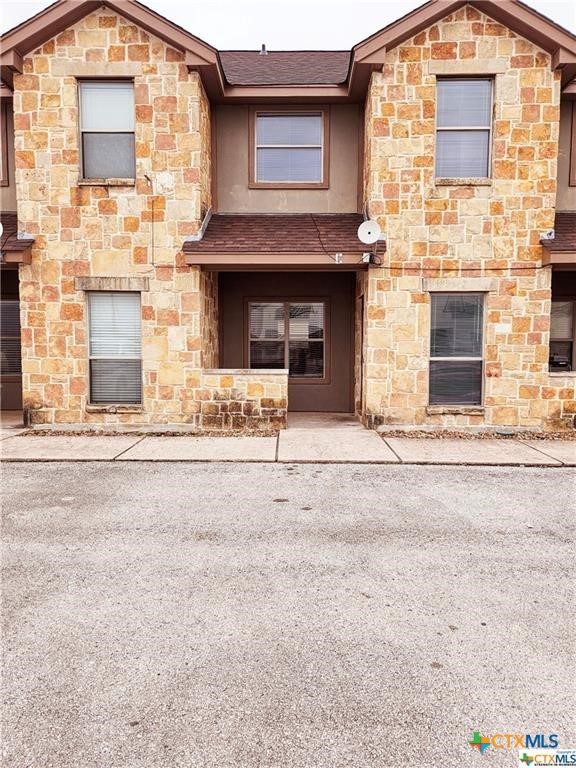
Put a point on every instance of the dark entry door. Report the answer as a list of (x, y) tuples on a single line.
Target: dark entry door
[(299, 321)]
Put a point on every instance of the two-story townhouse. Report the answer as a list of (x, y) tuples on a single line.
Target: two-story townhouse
[(181, 224)]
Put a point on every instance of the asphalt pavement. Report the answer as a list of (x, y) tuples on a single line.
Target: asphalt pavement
[(212, 615)]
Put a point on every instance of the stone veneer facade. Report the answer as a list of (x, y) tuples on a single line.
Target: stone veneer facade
[(112, 230), (450, 236), (462, 236)]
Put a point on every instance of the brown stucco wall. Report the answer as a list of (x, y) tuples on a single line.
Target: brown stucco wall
[(8, 193), (566, 200), (236, 288), (233, 194)]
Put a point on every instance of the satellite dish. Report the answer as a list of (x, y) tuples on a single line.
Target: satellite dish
[(369, 232), (1, 229)]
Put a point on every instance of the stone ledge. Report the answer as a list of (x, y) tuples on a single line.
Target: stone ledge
[(463, 284), (111, 283), (483, 181), (106, 182), (245, 371), (114, 409), (562, 374), (462, 67), (455, 410)]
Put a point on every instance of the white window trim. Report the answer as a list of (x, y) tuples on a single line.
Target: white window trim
[(119, 181), (91, 357), (466, 358), (490, 129)]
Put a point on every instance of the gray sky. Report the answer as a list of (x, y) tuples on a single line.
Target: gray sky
[(283, 24)]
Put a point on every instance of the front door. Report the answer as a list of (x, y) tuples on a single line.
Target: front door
[(298, 321)]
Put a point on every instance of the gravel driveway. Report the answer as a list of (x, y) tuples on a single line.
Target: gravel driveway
[(310, 616)]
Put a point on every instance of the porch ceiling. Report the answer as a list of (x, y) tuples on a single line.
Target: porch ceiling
[(304, 240)]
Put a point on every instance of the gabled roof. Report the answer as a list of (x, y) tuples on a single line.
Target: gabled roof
[(302, 75), (20, 40)]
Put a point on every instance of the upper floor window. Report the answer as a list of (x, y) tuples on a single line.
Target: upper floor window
[(289, 149), (107, 129), (463, 128)]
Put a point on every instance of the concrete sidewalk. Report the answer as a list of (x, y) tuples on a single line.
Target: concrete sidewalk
[(347, 442)]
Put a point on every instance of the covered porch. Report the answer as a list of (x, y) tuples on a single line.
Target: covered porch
[(284, 303)]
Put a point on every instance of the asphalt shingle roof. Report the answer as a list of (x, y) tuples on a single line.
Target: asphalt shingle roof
[(290, 233), (285, 67)]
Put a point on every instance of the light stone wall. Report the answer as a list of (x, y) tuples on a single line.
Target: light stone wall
[(113, 230), (244, 399), (457, 231)]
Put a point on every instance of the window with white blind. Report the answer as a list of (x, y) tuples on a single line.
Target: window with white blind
[(288, 335), (563, 336), (289, 149), (10, 345), (107, 129), (115, 348), (456, 349), (463, 127)]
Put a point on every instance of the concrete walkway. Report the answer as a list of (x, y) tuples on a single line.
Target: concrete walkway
[(328, 439)]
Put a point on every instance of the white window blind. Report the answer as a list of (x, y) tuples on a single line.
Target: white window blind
[(115, 347), (107, 128), (456, 349), (289, 148), (10, 351), (563, 336), (561, 320), (463, 128)]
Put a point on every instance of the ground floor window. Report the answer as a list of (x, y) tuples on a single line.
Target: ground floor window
[(115, 347), (456, 349), (287, 334), (10, 354), (563, 336)]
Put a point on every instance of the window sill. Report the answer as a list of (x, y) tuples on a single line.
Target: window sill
[(455, 410), (114, 409), (457, 182), (297, 185), (562, 374), (106, 182)]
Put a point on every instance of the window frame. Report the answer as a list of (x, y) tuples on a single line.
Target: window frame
[(566, 339), (489, 129), (254, 112), (461, 358), (91, 357), (4, 164), (81, 131), (572, 162), (325, 300)]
